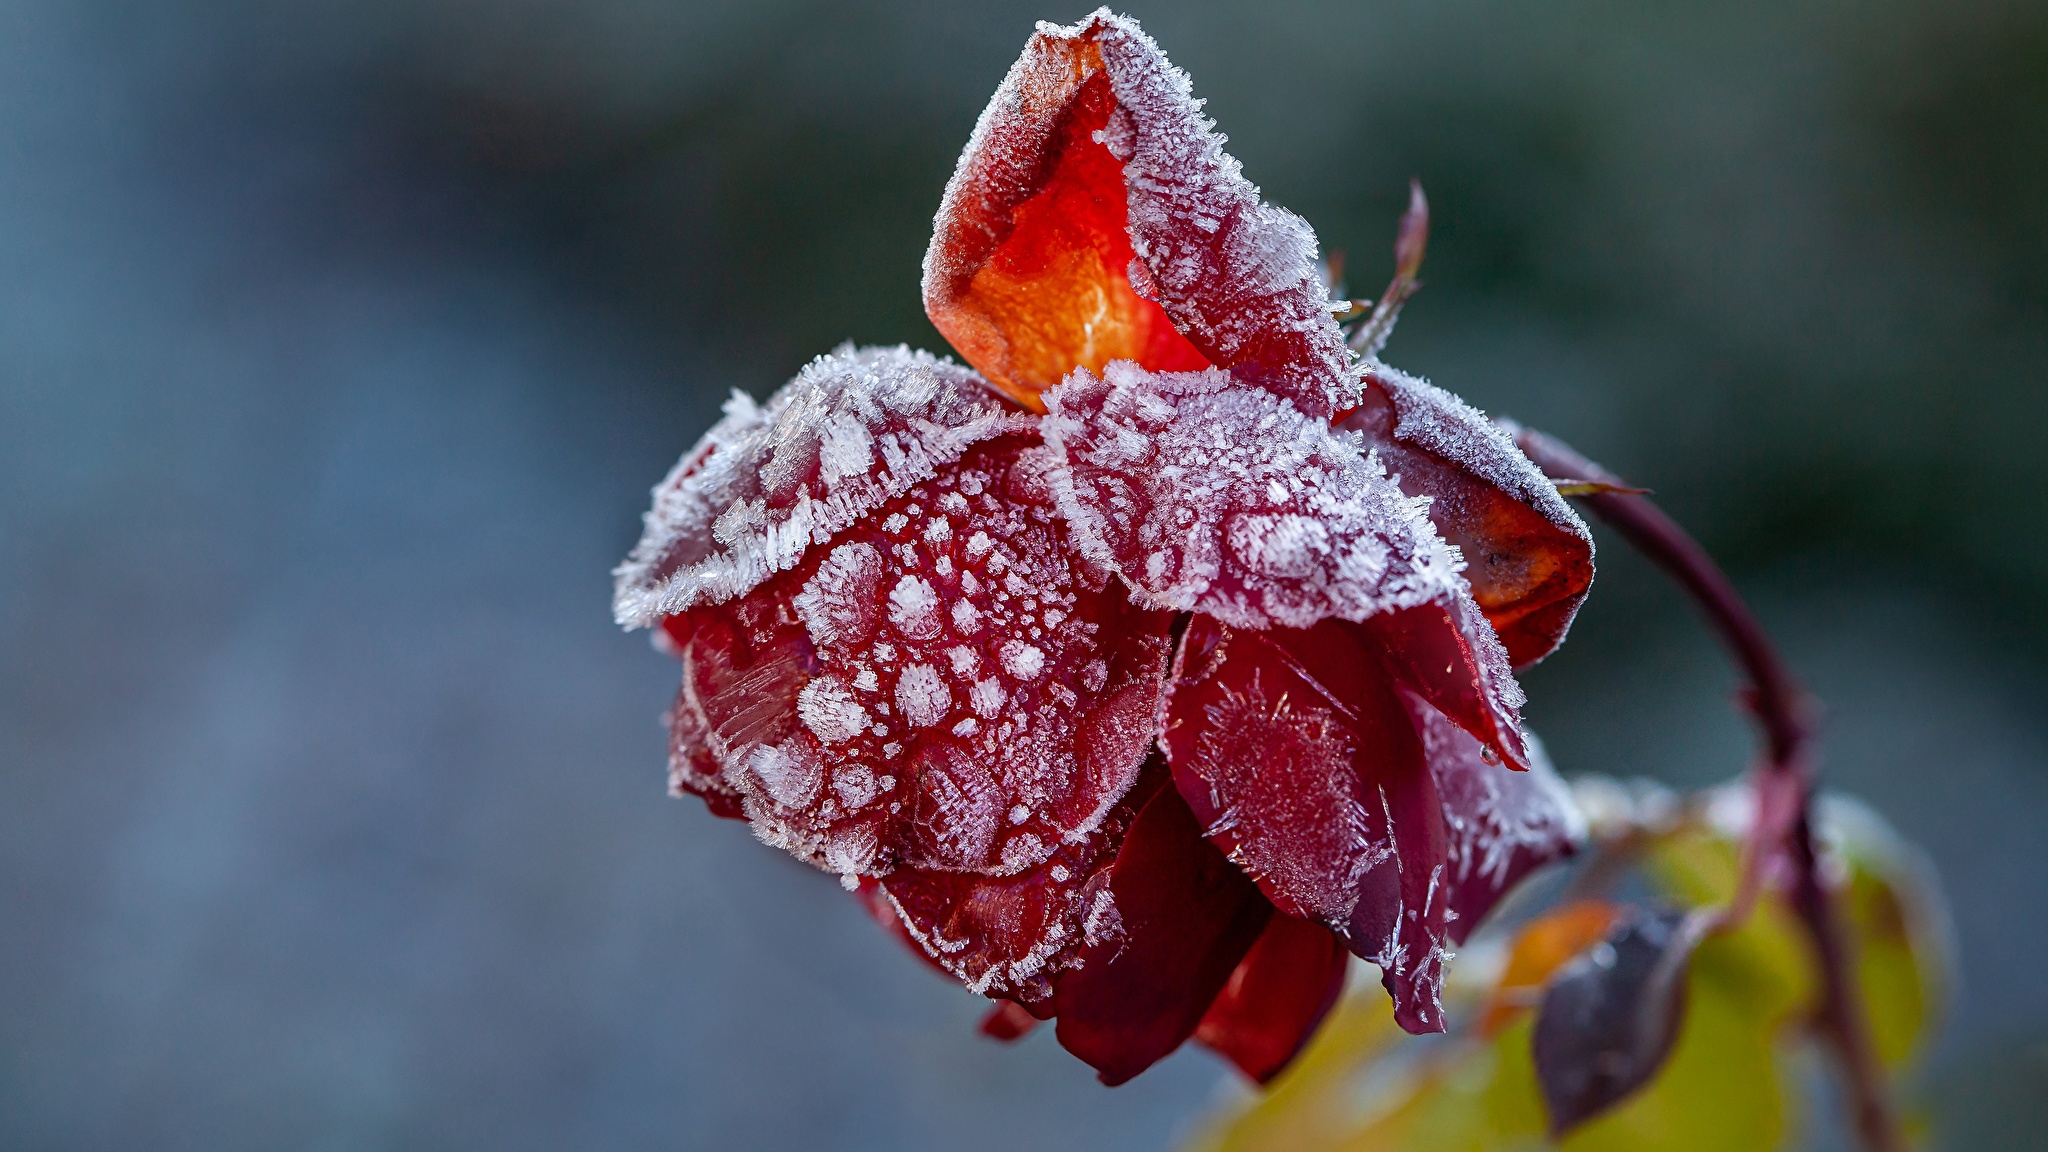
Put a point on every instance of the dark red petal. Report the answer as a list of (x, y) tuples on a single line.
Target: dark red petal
[(869, 892), (1449, 656), (1007, 1021), (1528, 556), (1007, 936), (1092, 188), (1188, 918), (946, 685), (1501, 825), (1279, 994), (1297, 755)]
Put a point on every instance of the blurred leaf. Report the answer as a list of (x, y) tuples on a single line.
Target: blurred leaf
[(1611, 1016), (1541, 949), (1766, 962), (1891, 900), (1721, 1089)]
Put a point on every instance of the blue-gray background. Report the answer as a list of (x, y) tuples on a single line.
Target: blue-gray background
[(339, 344)]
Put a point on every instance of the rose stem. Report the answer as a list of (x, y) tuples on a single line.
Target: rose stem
[(1785, 713)]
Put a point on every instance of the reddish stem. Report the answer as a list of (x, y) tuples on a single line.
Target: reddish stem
[(1785, 713)]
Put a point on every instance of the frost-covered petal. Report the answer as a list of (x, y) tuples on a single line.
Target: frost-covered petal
[(692, 769), (1499, 825), (1210, 497), (1298, 757), (1094, 216), (1277, 997), (1008, 936), (771, 481), (1528, 556), (865, 725), (1186, 917)]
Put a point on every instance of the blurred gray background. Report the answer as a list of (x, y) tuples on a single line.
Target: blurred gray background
[(339, 345)]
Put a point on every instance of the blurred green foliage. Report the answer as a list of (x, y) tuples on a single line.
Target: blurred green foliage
[(1734, 1079)]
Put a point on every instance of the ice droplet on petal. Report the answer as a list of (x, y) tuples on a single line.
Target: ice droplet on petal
[(1050, 716), (829, 710), (914, 608), (922, 696)]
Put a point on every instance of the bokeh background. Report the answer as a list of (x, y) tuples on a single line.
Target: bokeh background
[(340, 342)]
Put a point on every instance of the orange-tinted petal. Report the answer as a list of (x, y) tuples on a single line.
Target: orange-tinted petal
[(1094, 216), (1279, 994), (1528, 556)]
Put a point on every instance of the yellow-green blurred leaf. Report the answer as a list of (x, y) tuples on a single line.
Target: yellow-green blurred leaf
[(1721, 1090), (1893, 905), (1362, 1086)]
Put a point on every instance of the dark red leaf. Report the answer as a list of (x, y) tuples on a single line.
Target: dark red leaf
[(1297, 755), (1610, 1018), (1277, 996), (1187, 919)]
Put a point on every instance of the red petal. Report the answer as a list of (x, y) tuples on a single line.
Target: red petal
[(1501, 825), (1209, 497), (946, 686), (869, 892), (1008, 936), (1298, 757), (1528, 556), (1188, 918), (1007, 1021), (1093, 187), (1276, 998), (1449, 656), (692, 768)]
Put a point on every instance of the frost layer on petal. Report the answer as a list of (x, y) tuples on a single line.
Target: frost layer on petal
[(1214, 498), (1095, 216), (1008, 936), (1528, 556), (1300, 760), (770, 481), (945, 685)]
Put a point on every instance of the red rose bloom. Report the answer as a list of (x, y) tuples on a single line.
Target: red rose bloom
[(1145, 670)]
